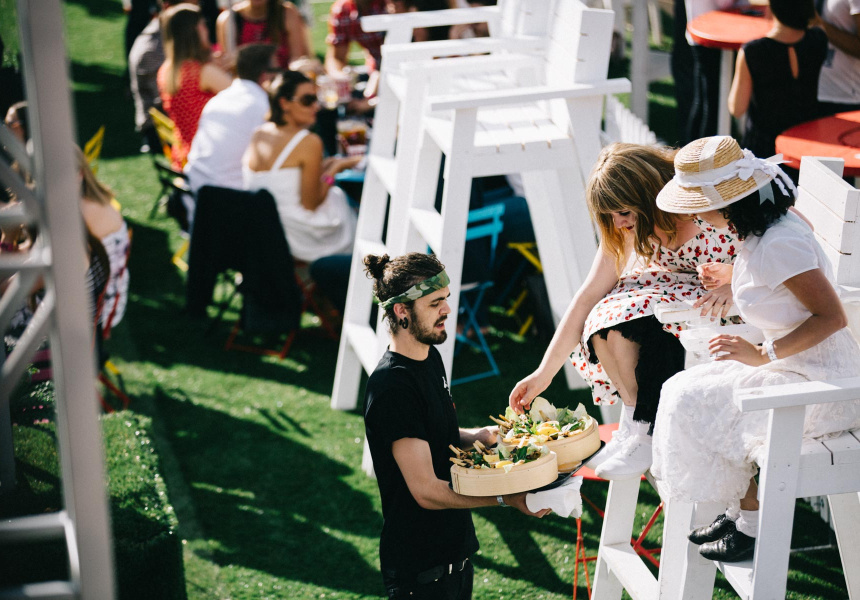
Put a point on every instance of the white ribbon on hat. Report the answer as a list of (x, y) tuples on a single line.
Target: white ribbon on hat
[(742, 168)]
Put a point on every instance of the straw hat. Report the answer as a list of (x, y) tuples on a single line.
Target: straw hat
[(713, 172)]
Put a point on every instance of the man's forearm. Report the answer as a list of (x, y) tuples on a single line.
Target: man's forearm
[(486, 435)]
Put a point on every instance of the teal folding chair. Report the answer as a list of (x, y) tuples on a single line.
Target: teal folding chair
[(483, 223)]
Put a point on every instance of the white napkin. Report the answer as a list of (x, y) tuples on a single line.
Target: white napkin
[(564, 500)]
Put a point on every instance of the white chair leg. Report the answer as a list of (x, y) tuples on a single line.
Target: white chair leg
[(617, 529), (778, 483), (845, 512), (684, 574)]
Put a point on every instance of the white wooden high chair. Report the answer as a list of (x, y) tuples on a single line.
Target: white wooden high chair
[(791, 468), (545, 119)]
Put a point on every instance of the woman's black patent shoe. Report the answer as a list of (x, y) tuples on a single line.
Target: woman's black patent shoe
[(711, 533), (732, 547)]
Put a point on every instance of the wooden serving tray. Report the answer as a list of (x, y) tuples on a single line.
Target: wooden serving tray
[(495, 482), (573, 450)]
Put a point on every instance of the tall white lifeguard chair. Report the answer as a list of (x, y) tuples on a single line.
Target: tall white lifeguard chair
[(791, 468), (545, 125)]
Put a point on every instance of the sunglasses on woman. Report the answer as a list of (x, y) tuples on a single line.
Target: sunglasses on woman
[(307, 100)]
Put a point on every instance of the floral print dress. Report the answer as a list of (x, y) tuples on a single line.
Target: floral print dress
[(671, 277)]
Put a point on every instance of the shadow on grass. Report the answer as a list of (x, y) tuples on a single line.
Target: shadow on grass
[(164, 336), (100, 8), (102, 97), (258, 495)]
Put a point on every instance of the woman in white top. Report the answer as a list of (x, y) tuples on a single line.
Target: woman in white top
[(704, 447), (287, 160)]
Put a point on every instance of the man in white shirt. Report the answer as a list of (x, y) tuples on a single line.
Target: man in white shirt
[(229, 119), (839, 83)]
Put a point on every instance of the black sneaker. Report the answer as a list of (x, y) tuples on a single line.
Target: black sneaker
[(711, 533), (731, 548)]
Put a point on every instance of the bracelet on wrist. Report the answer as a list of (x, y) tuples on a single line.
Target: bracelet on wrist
[(8, 247), (501, 501), (768, 347), (327, 179)]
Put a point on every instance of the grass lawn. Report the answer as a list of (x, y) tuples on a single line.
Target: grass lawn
[(264, 477)]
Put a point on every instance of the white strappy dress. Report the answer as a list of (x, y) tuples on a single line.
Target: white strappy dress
[(312, 234)]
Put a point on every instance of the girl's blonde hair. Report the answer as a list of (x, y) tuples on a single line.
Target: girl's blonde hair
[(92, 189), (627, 177), (181, 40)]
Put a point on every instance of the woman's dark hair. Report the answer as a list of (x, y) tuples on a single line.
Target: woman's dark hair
[(393, 276), (793, 13), (750, 216), (276, 28), (284, 86)]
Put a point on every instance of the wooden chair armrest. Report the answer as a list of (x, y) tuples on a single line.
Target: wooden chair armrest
[(848, 293), (399, 53), (532, 94), (471, 64), (432, 18), (679, 312), (797, 394)]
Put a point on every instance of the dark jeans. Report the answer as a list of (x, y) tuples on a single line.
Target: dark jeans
[(456, 586), (706, 93), (682, 71)]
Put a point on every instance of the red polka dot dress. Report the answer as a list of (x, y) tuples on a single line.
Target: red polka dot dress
[(670, 277), (184, 107)]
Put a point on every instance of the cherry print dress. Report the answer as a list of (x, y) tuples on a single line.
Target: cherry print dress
[(184, 107), (670, 276)]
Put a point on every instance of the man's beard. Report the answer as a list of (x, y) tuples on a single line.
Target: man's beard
[(427, 335)]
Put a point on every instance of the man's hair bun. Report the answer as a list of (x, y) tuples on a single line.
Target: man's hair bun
[(375, 265)]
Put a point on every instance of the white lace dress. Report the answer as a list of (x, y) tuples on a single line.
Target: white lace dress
[(704, 447)]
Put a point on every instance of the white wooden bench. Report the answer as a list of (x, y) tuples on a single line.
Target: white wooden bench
[(791, 468)]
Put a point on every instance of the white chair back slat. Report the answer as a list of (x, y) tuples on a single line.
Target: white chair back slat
[(822, 178), (829, 226), (585, 54), (833, 207), (578, 49), (522, 18)]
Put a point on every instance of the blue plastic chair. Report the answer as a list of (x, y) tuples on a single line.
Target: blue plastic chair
[(483, 222)]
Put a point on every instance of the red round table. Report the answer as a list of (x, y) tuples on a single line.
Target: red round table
[(837, 136), (727, 30)]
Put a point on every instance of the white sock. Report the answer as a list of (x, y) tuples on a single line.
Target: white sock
[(638, 428), (733, 513), (747, 523), (626, 423)]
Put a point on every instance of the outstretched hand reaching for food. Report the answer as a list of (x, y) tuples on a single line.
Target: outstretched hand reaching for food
[(527, 390)]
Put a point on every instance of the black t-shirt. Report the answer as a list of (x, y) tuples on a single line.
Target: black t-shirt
[(407, 398)]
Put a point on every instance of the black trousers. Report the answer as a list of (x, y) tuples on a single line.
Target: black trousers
[(702, 121), (456, 586), (682, 72)]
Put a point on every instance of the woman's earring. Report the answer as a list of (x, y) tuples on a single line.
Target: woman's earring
[(404, 323)]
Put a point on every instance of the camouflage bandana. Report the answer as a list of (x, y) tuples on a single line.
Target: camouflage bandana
[(419, 290)]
